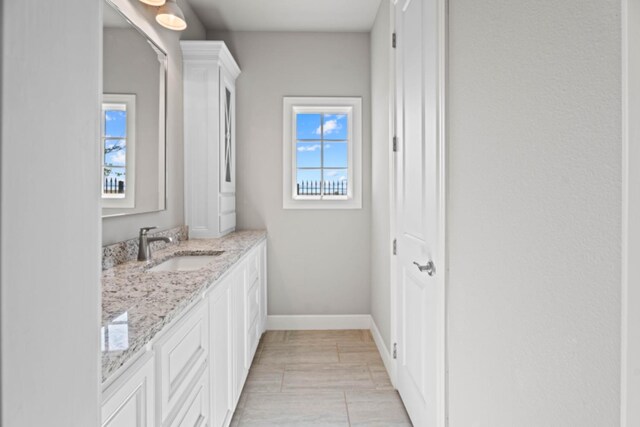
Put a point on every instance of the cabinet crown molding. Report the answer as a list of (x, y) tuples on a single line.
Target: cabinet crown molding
[(206, 50)]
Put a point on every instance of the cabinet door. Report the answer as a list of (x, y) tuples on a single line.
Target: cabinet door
[(129, 401), (227, 133), (252, 304), (221, 353), (263, 287), (239, 332), (180, 355)]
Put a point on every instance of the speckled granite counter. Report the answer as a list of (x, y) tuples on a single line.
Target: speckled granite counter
[(137, 304)]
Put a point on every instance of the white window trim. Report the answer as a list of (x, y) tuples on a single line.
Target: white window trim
[(130, 101), (352, 106)]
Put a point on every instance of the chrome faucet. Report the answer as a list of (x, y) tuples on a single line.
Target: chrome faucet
[(144, 250)]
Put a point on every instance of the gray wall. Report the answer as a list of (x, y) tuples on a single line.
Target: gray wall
[(534, 213), (380, 171), (631, 210), (131, 66), (50, 240), (126, 227), (319, 261)]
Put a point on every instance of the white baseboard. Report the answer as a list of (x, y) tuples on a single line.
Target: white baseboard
[(384, 352), (318, 322)]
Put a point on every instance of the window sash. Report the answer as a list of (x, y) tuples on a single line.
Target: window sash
[(323, 111)]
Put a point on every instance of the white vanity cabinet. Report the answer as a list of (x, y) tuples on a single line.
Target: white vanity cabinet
[(209, 75), (194, 371)]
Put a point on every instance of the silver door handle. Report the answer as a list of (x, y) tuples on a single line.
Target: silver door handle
[(429, 267)]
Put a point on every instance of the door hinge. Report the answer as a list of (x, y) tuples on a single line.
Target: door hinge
[(393, 40), (395, 350), (395, 144), (395, 246)]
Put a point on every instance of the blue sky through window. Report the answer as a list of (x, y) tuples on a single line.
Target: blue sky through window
[(115, 123), (117, 157), (322, 148), (307, 125)]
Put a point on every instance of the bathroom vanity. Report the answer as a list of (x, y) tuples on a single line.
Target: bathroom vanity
[(178, 341)]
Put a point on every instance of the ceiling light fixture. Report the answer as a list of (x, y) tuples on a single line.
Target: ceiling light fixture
[(170, 16), (154, 2)]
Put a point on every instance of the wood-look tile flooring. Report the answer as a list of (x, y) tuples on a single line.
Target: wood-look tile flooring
[(318, 378)]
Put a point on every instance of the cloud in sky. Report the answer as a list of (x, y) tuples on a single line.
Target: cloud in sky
[(119, 158), (332, 173), (331, 125), (313, 147)]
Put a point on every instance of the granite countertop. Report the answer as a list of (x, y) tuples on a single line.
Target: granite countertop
[(137, 304)]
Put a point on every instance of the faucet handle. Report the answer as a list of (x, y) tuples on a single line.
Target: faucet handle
[(144, 230)]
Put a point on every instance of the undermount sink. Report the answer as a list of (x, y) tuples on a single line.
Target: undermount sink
[(186, 262)]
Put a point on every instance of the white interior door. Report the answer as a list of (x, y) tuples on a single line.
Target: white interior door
[(419, 183)]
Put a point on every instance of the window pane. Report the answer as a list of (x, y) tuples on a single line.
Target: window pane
[(308, 154), (115, 123), (335, 126), (114, 181), (309, 182), (336, 155), (308, 126), (336, 182), (115, 152)]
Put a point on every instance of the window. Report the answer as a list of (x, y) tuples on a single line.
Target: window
[(118, 142), (322, 153)]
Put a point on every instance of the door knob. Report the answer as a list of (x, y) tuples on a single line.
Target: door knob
[(429, 267)]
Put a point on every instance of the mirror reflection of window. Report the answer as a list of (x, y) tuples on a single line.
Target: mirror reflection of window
[(118, 142), (114, 146)]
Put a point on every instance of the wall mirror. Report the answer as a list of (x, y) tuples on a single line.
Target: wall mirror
[(133, 118)]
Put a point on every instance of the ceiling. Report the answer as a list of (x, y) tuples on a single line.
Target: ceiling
[(287, 15)]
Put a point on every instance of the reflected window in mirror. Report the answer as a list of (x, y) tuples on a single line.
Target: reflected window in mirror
[(118, 150)]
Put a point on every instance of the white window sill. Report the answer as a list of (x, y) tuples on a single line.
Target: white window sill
[(322, 203)]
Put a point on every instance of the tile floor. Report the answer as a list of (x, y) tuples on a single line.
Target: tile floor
[(319, 378)]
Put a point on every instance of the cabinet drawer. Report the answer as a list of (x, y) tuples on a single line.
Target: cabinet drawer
[(129, 401), (180, 354), (195, 410)]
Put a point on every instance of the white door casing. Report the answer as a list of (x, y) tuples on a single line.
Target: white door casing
[(420, 289)]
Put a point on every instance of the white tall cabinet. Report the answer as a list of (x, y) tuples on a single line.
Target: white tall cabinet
[(209, 73)]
